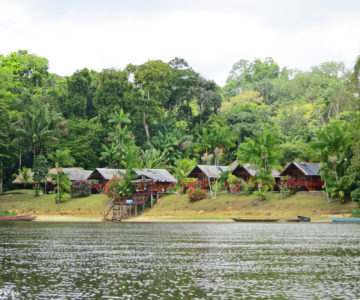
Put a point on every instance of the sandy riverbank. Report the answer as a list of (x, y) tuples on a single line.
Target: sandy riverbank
[(146, 219), (54, 218)]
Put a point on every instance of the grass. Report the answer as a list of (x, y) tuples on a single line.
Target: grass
[(228, 206), (177, 206), (23, 201)]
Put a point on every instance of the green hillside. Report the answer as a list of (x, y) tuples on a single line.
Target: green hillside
[(23, 201), (228, 205)]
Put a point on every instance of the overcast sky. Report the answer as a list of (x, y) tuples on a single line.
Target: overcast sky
[(210, 34)]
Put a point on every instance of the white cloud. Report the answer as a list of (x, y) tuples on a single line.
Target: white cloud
[(211, 40)]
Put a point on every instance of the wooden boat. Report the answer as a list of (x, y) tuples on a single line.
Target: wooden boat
[(293, 220), (256, 220), (348, 220), (304, 219), (18, 218), (299, 219)]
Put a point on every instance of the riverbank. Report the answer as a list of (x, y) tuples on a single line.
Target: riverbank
[(176, 208), (144, 219)]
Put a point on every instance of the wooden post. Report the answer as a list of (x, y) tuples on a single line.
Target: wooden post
[(152, 201)]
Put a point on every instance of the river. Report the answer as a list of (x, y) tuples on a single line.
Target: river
[(179, 260)]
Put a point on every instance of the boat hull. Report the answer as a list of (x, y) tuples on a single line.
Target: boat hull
[(18, 218), (346, 220), (256, 220), (304, 219)]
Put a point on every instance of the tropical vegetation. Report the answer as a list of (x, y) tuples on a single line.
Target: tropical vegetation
[(166, 115)]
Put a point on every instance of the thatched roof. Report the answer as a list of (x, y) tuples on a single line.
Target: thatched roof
[(253, 171), (233, 165), (210, 171), (157, 175), (308, 169), (75, 174), (20, 180), (108, 173)]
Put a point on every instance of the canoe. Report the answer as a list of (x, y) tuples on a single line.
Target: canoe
[(18, 218), (293, 220), (256, 220), (352, 220)]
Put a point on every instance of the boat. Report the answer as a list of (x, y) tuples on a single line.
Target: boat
[(256, 220), (304, 219), (349, 220), (18, 218), (293, 220)]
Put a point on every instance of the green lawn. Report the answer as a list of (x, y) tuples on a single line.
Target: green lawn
[(23, 201), (229, 205)]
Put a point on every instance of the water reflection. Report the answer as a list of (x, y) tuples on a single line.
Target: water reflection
[(121, 261)]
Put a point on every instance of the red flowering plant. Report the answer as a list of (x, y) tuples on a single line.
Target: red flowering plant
[(119, 188), (196, 194)]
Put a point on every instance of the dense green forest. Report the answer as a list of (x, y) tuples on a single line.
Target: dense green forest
[(162, 114)]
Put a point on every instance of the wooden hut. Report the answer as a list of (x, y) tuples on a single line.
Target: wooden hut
[(21, 183), (204, 175), (305, 176), (74, 174), (155, 181), (100, 176)]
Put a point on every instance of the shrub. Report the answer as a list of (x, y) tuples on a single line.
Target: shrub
[(120, 189), (5, 213), (80, 188), (355, 195), (235, 183), (287, 186), (355, 212), (196, 194)]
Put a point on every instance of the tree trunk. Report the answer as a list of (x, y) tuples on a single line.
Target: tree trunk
[(20, 157), (58, 187), (34, 148), (146, 126), (1, 178)]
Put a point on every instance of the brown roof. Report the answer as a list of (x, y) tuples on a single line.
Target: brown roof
[(210, 171), (108, 173), (157, 175), (254, 170)]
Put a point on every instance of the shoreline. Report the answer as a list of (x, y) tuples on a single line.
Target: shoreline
[(145, 219)]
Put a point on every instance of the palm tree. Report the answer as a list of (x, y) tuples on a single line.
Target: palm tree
[(61, 158), (262, 153), (331, 147), (38, 126)]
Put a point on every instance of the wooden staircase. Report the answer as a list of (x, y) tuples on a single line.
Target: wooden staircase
[(119, 210)]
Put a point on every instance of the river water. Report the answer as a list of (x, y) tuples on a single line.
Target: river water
[(179, 260)]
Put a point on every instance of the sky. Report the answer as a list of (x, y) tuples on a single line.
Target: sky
[(211, 35)]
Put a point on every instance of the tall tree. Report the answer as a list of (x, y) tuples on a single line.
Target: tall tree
[(5, 150), (151, 78), (40, 169)]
